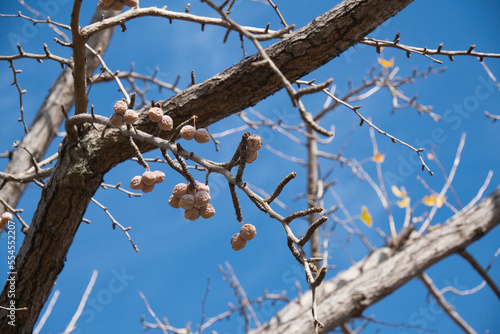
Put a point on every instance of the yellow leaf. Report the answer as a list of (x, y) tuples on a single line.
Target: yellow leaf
[(365, 216), (434, 200), (386, 63), (379, 158), (404, 202), (398, 193)]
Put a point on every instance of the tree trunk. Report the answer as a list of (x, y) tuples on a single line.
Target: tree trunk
[(83, 163), (385, 270), (50, 117)]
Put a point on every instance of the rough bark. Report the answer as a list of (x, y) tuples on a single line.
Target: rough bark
[(82, 164), (49, 117), (384, 271)]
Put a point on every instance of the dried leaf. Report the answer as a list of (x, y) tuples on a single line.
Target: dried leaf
[(434, 200), (378, 158), (386, 63), (404, 202), (401, 193), (365, 216)]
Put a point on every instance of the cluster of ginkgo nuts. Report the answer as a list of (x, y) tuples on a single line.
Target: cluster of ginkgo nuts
[(239, 240), (165, 122), (254, 143), (195, 201), (116, 4), (146, 182), (189, 132), (5, 218), (122, 114)]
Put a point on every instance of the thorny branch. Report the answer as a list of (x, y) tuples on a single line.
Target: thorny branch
[(116, 223), (19, 90), (365, 120), (427, 52), (212, 167), (170, 15), (295, 99)]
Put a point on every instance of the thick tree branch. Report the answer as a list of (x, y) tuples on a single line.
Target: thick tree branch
[(49, 118), (82, 164), (385, 270)]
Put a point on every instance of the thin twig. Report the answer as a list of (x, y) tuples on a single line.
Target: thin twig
[(47, 312), (20, 91), (447, 184), (71, 326), (150, 310), (479, 193), (426, 52), (280, 187), (469, 258), (445, 305), (116, 223)]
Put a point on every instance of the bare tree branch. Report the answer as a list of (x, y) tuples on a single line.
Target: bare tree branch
[(385, 270)]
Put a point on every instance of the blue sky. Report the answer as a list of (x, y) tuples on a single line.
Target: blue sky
[(176, 256)]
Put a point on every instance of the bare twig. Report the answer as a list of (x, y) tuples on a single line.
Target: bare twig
[(426, 52), (80, 66), (469, 258), (118, 187), (38, 57), (150, 310), (447, 184), (445, 305), (71, 326), (47, 312), (280, 187), (19, 90), (16, 214), (160, 12), (479, 193), (116, 223)]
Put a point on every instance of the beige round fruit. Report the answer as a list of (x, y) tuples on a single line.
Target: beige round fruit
[(251, 156), (180, 190), (159, 176), (202, 136), (116, 120), (120, 107), (192, 214), (166, 123), (155, 114), (130, 116), (188, 132), (254, 143), (7, 216), (237, 242), (102, 6), (186, 202), (131, 3), (174, 202), (248, 232), (201, 198), (136, 183), (148, 178), (147, 188), (117, 5), (207, 211)]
